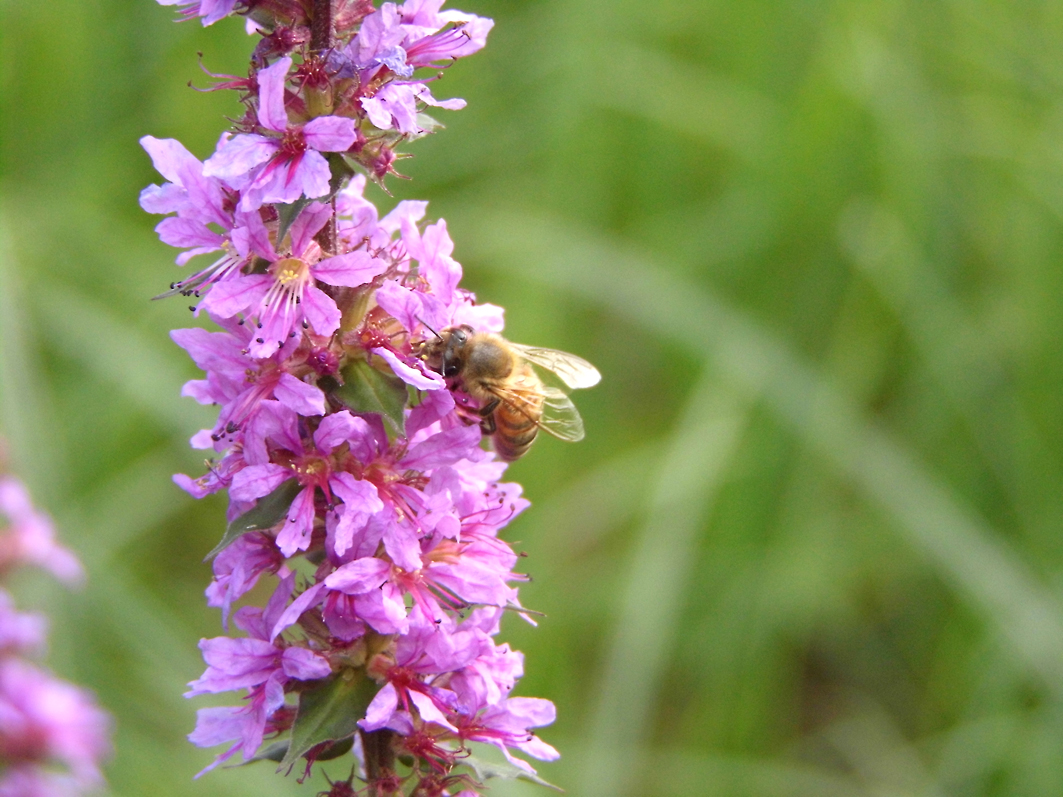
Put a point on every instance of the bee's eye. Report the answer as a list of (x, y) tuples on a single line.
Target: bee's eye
[(459, 335), (451, 370)]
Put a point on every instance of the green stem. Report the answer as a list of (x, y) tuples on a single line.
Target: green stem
[(379, 759)]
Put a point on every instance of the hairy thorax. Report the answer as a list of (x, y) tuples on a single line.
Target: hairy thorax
[(487, 364)]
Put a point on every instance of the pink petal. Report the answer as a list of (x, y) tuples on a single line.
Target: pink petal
[(402, 546), (350, 270), (295, 533), (360, 576), (444, 448), (329, 133), (163, 199), (307, 225), (183, 232), (407, 373), (168, 156), (256, 481), (298, 396), (380, 709), (335, 429), (310, 598), (320, 311), (229, 297), (271, 113), (429, 711), (304, 664), (401, 303), (239, 155)]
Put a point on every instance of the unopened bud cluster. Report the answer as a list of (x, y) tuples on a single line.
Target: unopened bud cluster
[(354, 479)]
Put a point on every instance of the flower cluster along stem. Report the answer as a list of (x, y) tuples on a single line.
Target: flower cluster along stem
[(351, 457)]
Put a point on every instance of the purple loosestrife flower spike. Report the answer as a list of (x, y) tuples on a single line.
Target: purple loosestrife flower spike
[(355, 472), (53, 737)]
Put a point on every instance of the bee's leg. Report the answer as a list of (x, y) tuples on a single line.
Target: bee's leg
[(487, 413)]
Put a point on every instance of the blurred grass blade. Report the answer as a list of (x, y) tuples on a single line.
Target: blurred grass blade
[(149, 372), (24, 392), (140, 497), (967, 364), (647, 621), (691, 101), (598, 502)]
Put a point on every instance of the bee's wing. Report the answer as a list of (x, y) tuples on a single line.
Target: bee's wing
[(560, 416), (574, 371)]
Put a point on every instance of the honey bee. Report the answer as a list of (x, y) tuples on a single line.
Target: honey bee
[(514, 404)]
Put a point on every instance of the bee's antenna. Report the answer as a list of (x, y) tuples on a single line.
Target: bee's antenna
[(429, 328)]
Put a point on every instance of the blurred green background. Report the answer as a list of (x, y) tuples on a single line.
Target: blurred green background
[(812, 543)]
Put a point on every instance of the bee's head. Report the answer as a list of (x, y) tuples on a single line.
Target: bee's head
[(445, 354), (455, 339)]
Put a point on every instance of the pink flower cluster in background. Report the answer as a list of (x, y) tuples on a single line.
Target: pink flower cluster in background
[(52, 735), (353, 478)]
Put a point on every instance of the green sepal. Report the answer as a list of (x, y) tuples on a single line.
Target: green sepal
[(335, 749), (485, 770), (329, 712), (427, 125), (339, 173), (267, 513), (288, 214), (365, 389), (275, 752)]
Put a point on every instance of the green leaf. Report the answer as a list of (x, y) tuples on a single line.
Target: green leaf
[(339, 173), (288, 214), (279, 749), (328, 712), (275, 752), (366, 389), (335, 749), (266, 514), (485, 770)]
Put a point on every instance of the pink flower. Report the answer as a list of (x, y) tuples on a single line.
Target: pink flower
[(284, 167), (206, 221), (210, 10), (30, 537), (286, 295), (44, 719), (255, 663)]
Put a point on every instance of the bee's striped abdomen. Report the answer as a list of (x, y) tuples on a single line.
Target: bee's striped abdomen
[(517, 417)]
